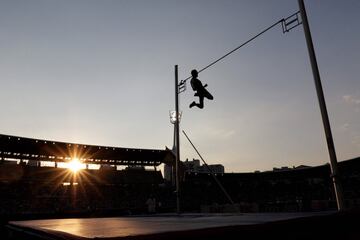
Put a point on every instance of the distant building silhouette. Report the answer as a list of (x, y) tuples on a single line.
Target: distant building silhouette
[(275, 169), (195, 167)]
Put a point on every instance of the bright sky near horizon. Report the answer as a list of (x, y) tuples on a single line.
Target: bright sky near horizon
[(102, 72)]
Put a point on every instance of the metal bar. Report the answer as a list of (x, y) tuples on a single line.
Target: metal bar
[(292, 15), (288, 29), (177, 140), (283, 26), (211, 172), (292, 21), (325, 118), (243, 44)]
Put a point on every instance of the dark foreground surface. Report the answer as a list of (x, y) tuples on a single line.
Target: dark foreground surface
[(322, 225)]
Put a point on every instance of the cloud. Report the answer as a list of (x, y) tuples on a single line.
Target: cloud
[(345, 126), (351, 100), (224, 133), (229, 133)]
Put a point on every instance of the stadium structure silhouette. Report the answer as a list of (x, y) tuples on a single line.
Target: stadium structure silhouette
[(32, 191), (29, 188)]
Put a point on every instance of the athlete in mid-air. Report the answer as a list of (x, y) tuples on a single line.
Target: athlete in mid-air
[(200, 90)]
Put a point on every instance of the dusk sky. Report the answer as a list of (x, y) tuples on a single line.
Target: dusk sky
[(102, 72)]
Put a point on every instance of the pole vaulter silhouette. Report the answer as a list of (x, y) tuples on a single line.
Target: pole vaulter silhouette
[(200, 90)]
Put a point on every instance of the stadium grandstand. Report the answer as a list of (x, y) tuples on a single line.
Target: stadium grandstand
[(36, 177), (20, 148)]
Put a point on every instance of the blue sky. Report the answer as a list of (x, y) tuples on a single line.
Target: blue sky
[(102, 72)]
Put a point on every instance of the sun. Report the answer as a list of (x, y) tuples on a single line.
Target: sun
[(75, 165)]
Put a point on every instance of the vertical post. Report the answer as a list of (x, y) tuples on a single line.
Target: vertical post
[(325, 118), (177, 140)]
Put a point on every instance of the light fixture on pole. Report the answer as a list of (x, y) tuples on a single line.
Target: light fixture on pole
[(173, 118)]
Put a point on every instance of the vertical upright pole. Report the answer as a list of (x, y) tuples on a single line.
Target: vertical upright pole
[(325, 118), (177, 140)]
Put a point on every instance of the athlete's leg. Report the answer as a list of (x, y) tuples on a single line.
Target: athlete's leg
[(208, 95), (201, 102)]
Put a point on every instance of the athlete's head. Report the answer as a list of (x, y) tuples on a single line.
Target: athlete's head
[(194, 73)]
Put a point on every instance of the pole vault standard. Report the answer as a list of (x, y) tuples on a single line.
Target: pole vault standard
[(287, 24), (177, 141), (324, 113)]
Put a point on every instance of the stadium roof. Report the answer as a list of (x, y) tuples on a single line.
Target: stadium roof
[(13, 147)]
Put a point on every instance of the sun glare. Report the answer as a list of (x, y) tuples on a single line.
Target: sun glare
[(75, 165)]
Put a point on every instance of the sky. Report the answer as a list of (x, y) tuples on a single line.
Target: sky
[(102, 72)]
